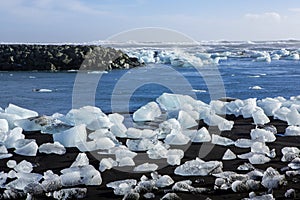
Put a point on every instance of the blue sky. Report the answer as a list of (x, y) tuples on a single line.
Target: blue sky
[(90, 20)]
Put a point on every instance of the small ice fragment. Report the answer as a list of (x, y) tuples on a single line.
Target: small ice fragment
[(3, 126), (146, 167), (174, 156), (292, 131), (122, 187), (262, 135), (26, 147), (72, 136), (269, 105), (11, 164), (255, 87), (185, 120), (245, 167), (257, 159), (259, 117), (171, 196), (126, 161), (107, 163), (24, 167), (123, 153), (3, 149), (243, 143), (22, 112), (219, 140), (198, 167), (164, 181), (81, 160), (229, 155), (295, 163), (147, 113), (290, 194), (289, 153), (202, 135), (176, 138), (70, 193), (55, 148), (272, 179), (13, 136)]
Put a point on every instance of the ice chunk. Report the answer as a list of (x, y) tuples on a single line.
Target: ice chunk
[(290, 194), (140, 144), (243, 143), (173, 102), (164, 181), (55, 148), (72, 136), (281, 113), (257, 159), (272, 179), (78, 175), (126, 161), (256, 87), (170, 196), (249, 107), (219, 107), (134, 133), (81, 160), (122, 153), (260, 147), (3, 126), (202, 135), (13, 136), (215, 120), (10, 118), (174, 156), (24, 179), (198, 167), (234, 107), (269, 105), (22, 112), (116, 118), (185, 120), (26, 147), (70, 193), (289, 153), (51, 181), (158, 151), (176, 138), (223, 141), (5, 155), (259, 117), (166, 127), (11, 164), (122, 187), (262, 135), (146, 167), (118, 128), (245, 167), (107, 163), (295, 164), (3, 178), (147, 113), (293, 117), (23, 167), (292, 131), (3, 149), (229, 155)]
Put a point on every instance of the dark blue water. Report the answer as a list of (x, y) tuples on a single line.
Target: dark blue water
[(278, 78)]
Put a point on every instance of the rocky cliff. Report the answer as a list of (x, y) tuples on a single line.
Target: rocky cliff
[(16, 57)]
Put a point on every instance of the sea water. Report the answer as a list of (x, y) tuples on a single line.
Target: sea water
[(241, 76)]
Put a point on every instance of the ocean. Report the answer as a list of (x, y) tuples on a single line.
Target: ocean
[(207, 71)]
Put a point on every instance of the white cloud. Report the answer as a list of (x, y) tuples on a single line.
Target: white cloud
[(294, 9), (264, 16)]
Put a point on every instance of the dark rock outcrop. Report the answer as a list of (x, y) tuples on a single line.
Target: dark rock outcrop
[(16, 57)]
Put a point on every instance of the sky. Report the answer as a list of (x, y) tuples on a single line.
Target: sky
[(91, 20)]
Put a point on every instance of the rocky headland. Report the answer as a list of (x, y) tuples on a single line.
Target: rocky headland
[(27, 57)]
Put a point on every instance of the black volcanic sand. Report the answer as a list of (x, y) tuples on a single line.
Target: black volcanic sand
[(241, 129)]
